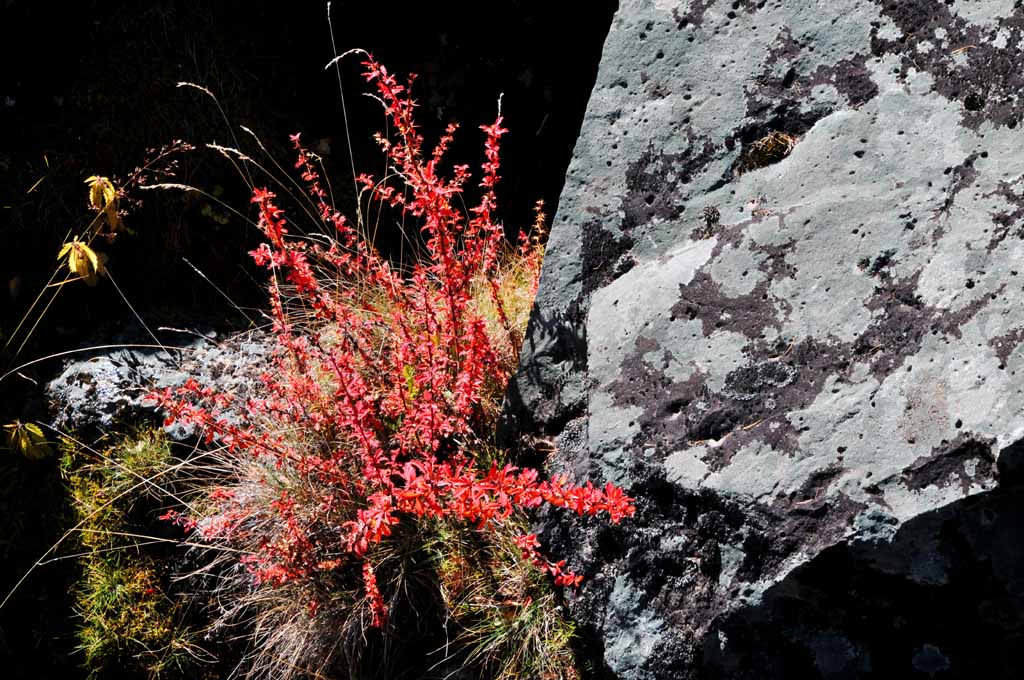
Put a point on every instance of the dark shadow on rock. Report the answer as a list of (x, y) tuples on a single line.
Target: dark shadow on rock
[(553, 341), (944, 599)]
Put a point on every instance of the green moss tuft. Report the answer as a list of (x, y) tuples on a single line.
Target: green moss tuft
[(127, 621)]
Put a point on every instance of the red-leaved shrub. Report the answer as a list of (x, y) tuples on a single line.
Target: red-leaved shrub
[(385, 382)]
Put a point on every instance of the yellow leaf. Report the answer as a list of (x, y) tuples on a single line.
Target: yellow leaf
[(77, 262), (102, 193), (91, 254), (95, 193), (93, 278), (112, 219), (27, 439), (82, 260)]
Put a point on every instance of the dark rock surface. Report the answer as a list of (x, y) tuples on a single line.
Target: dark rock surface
[(814, 396)]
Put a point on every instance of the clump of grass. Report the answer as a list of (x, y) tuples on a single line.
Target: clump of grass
[(126, 619), (769, 149), (128, 623), (505, 298), (508, 618)]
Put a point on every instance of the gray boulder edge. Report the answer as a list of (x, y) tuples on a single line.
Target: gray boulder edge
[(837, 357)]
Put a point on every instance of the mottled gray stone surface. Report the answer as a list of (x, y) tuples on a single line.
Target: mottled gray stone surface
[(825, 371), (104, 392)]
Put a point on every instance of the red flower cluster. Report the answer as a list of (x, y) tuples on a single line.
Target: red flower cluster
[(387, 369)]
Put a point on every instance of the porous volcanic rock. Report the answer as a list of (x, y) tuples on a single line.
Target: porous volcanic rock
[(781, 306), (104, 391)]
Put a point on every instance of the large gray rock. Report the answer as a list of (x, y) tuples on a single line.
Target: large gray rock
[(815, 400)]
